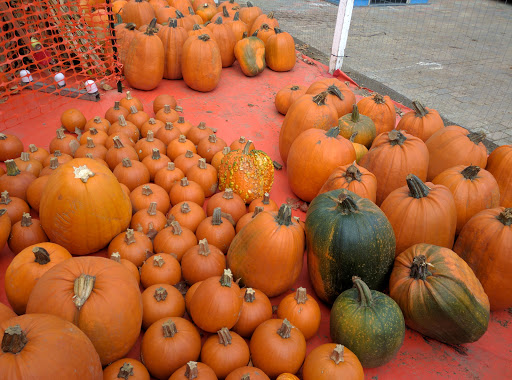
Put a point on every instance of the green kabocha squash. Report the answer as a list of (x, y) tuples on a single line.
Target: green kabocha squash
[(369, 323), (439, 294), (347, 236)]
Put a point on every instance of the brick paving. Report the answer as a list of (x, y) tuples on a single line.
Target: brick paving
[(452, 55)]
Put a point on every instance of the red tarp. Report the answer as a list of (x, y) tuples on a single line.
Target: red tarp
[(245, 106)]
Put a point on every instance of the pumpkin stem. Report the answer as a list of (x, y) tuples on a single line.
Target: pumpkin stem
[(417, 189), (333, 132), (217, 217), (257, 210), (129, 237), (146, 190), (337, 354), (150, 136), (176, 228), (224, 336), (419, 268), (14, 339), (172, 23), (133, 110), (26, 220), (284, 215), (250, 295), (197, 26), (191, 371), (151, 121), (129, 95), (117, 104), (4, 198), (225, 11), (184, 181), (90, 143), (249, 4), (83, 173), (212, 138), (160, 294), (226, 150), (236, 17), (118, 143), (54, 163), (3, 211), (320, 98), (169, 126), (60, 133), (152, 209), (334, 90), (227, 278), (88, 155), (201, 125), (396, 137), (125, 371), (185, 208), (419, 109), (352, 173), (347, 204), (246, 147), (301, 296), (191, 11), (355, 114), (171, 166), (93, 131), (116, 257), (182, 139), (271, 14), (121, 120), (41, 255), (244, 34), (379, 99), (127, 163), (57, 153), (3, 137), (181, 120), (470, 172), (12, 168), (158, 261), (156, 154), (505, 217), (365, 294), (476, 137), (228, 194), (204, 249), (25, 156), (353, 136), (246, 376), (285, 330), (83, 286), (189, 154), (204, 37), (31, 147), (266, 199), (151, 29), (169, 329)]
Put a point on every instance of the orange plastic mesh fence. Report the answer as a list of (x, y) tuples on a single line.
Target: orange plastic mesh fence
[(39, 40)]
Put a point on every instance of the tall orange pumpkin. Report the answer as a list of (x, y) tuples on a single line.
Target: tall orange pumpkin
[(340, 95), (226, 40), (99, 296), (173, 37), (83, 206), (201, 63), (280, 51), (499, 164), (381, 110)]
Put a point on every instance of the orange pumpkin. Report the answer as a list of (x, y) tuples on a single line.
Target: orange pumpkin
[(256, 309), (24, 233), (173, 37), (286, 96), (249, 14), (194, 370), (381, 110), (138, 12), (264, 19), (127, 367), (332, 361), (160, 301), (340, 94), (280, 51), (422, 122), (131, 245), (499, 164), (161, 268), (201, 262), (201, 63), (302, 311)]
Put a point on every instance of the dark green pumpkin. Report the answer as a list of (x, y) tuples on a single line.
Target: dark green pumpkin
[(356, 123), (439, 294), (347, 236), (369, 323), (250, 54)]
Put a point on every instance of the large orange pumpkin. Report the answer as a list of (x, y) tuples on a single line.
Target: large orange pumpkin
[(138, 12), (280, 51), (173, 37), (83, 206), (381, 110), (98, 295), (201, 63)]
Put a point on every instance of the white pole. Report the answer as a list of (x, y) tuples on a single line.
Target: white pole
[(340, 34)]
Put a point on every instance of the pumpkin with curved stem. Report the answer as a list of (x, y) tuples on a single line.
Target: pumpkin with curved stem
[(453, 146), (421, 122), (168, 344), (126, 368), (173, 37), (24, 233), (250, 54), (302, 311), (14, 206), (150, 221), (26, 268), (344, 233), (66, 143), (247, 373), (312, 157), (473, 190), (161, 268), (126, 127), (73, 119), (201, 262), (194, 370), (72, 212), (168, 133), (174, 239), (131, 173), (332, 361), (10, 147), (252, 256), (408, 154), (309, 111), (30, 339), (144, 62), (188, 214), (179, 146), (113, 113), (229, 203), (249, 14), (286, 96), (5, 226), (249, 173), (499, 164), (160, 301), (355, 319), (421, 213), (452, 308), (201, 63), (99, 137), (381, 110), (217, 230), (277, 347), (225, 352), (355, 122), (209, 146), (264, 19), (245, 219), (100, 314), (340, 95), (37, 153), (118, 152), (354, 178), (97, 122), (127, 264), (256, 309), (280, 51), (132, 245), (483, 244), (142, 196), (138, 12), (186, 190), (216, 303)]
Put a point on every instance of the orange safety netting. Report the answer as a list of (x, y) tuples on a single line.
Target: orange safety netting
[(39, 40)]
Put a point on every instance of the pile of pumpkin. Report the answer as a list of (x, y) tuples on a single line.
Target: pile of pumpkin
[(160, 39)]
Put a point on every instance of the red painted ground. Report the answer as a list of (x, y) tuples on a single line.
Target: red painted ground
[(245, 106)]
